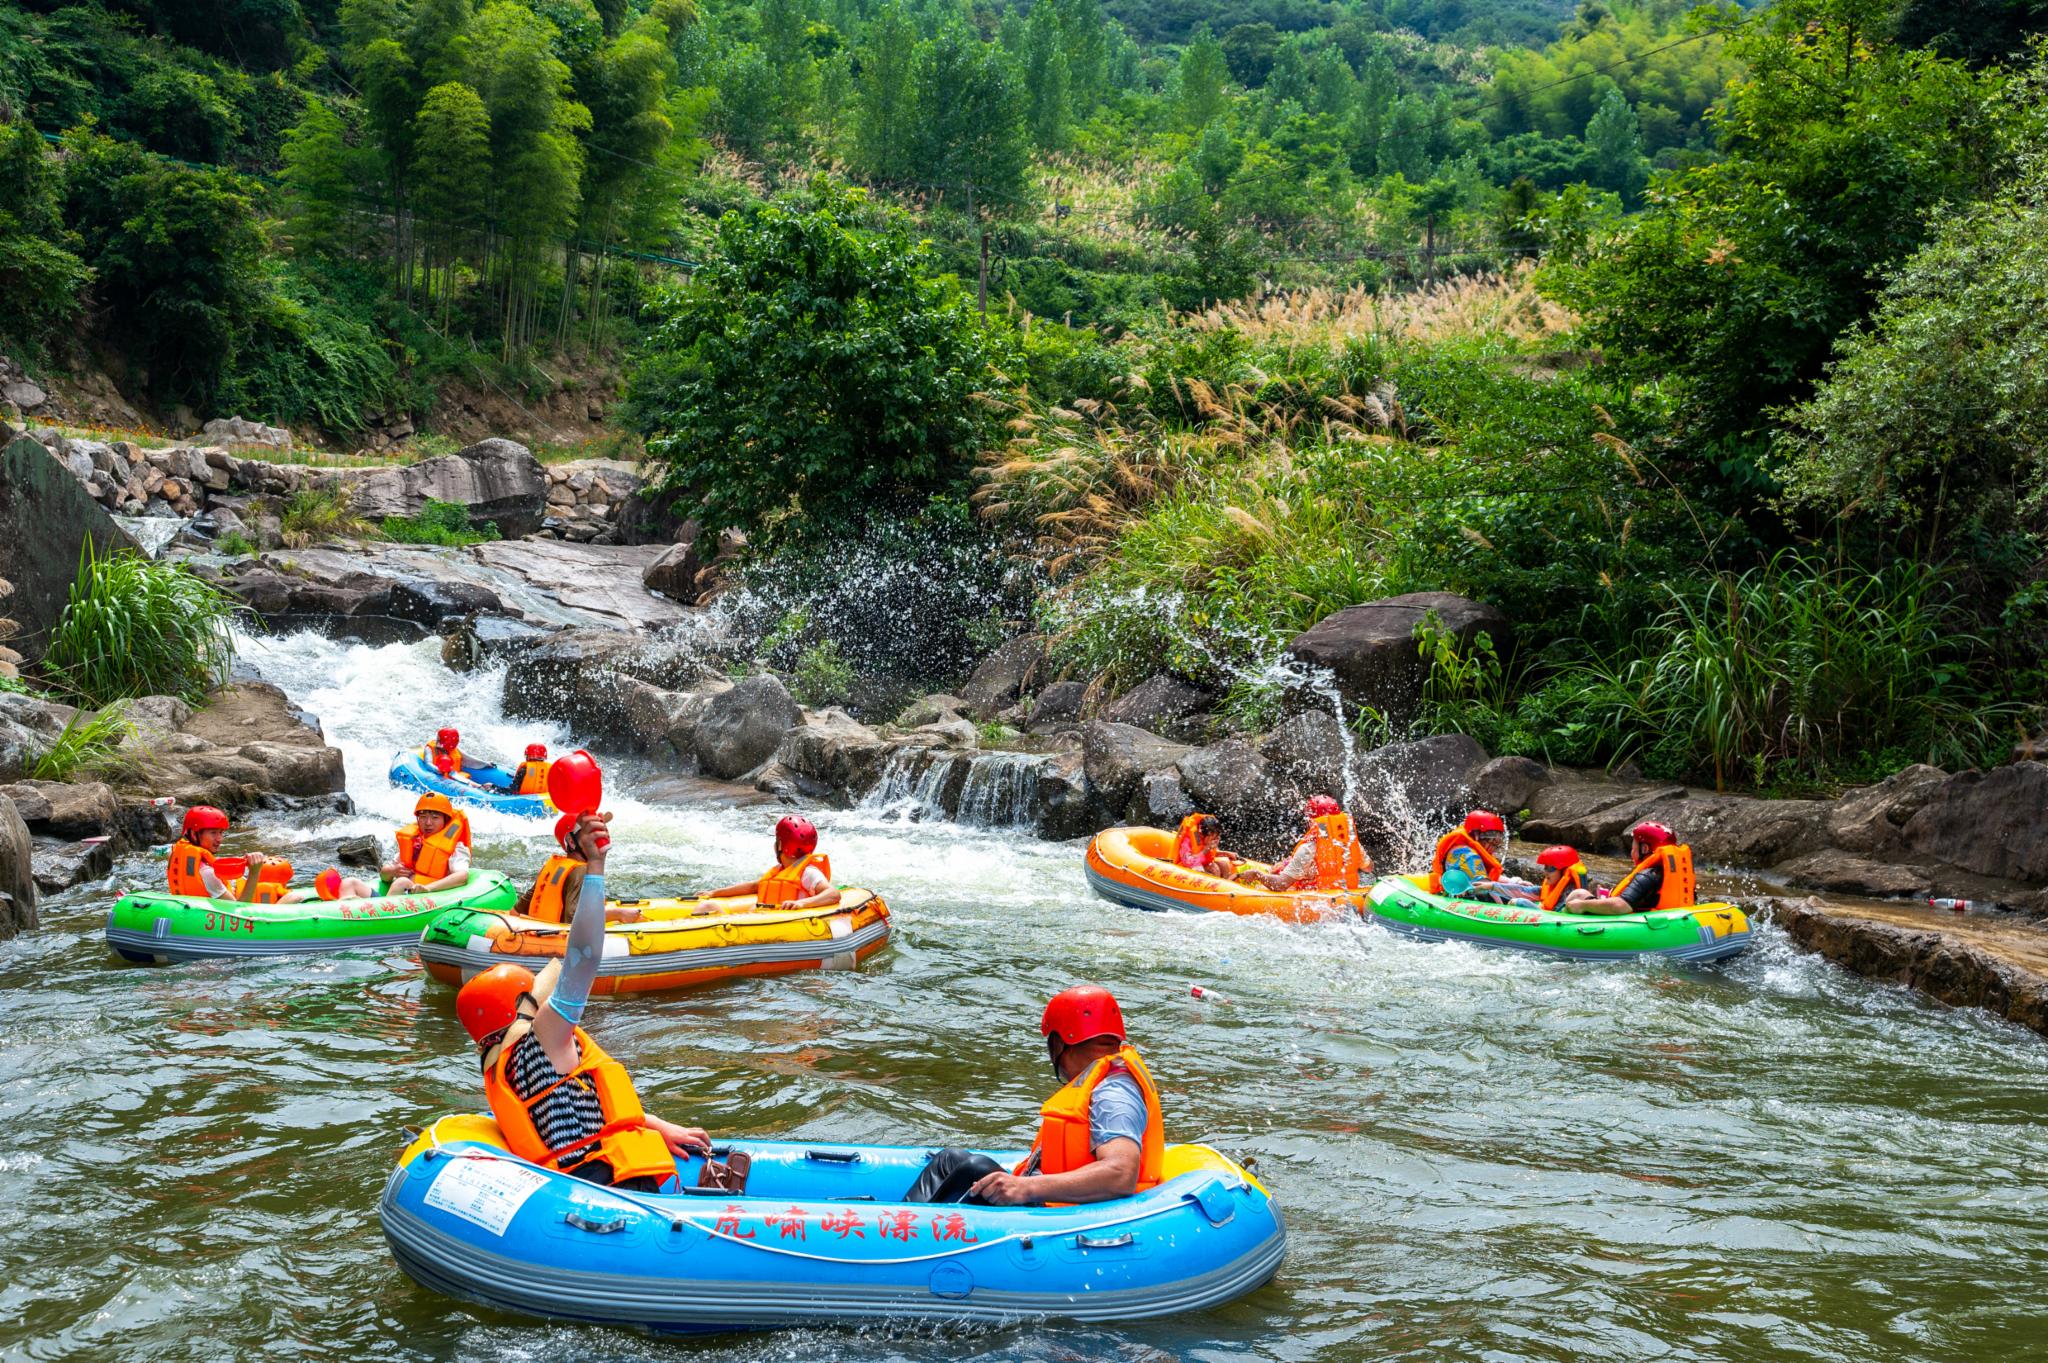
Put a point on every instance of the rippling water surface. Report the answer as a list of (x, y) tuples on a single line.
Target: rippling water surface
[(1479, 1156)]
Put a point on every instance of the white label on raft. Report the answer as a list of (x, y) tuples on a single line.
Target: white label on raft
[(615, 946), (487, 1192), (842, 927)]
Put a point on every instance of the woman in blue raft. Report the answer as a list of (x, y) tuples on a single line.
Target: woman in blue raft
[(572, 1203)]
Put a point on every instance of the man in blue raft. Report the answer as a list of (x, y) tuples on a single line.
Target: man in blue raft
[(560, 1101), (1099, 1137)]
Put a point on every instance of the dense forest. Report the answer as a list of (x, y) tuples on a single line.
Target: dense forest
[(1704, 339)]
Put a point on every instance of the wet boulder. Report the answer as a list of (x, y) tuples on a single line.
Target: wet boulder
[(1165, 704), (1308, 751), (1408, 790), (66, 809), (834, 749), (1062, 803), (361, 851), (1591, 812), (932, 709), (1508, 784), (1993, 823), (576, 676), (17, 873), (498, 480), (61, 865), (1116, 760), (1004, 675), (1057, 707), (46, 516), (27, 729), (1370, 649), (1260, 807), (742, 726), (1842, 873)]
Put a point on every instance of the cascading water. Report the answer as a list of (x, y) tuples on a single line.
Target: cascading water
[(1479, 1155), (1001, 790), (912, 785)]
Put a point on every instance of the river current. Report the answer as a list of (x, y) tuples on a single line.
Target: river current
[(1478, 1155)]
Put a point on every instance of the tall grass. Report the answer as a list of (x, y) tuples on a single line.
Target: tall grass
[(86, 744), (1798, 670), (444, 523), (322, 513), (1505, 308), (139, 627)]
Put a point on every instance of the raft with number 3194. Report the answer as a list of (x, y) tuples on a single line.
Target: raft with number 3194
[(817, 1236), (155, 926), (1701, 932)]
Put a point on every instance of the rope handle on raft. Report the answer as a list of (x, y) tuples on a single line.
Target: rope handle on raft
[(677, 1223)]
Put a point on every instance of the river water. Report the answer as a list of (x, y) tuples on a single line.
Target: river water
[(1479, 1156)]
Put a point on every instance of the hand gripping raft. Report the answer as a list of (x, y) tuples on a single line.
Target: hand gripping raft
[(816, 1238)]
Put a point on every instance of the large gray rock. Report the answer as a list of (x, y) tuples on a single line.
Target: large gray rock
[(551, 582), (1308, 750), (1508, 784), (1260, 808), (1994, 823), (578, 676), (936, 708), (46, 518), (498, 480), (1004, 675), (1062, 801), (1058, 706), (1370, 649), (248, 746), (1408, 792), (1116, 758), (66, 809), (1872, 819), (61, 865), (17, 873), (742, 727), (27, 729), (833, 748), (1164, 704), (233, 432), (674, 573), (1591, 812)]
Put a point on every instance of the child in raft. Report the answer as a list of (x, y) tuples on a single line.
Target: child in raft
[(191, 866), (1564, 880), (801, 877), (1199, 847)]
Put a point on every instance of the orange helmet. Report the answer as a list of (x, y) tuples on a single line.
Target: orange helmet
[(1559, 858), (489, 1003), (199, 818), (1081, 1014), (434, 802)]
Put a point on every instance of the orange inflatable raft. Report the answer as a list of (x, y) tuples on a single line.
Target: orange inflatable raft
[(1135, 867)]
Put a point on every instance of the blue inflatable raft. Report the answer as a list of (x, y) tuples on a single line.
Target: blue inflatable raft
[(487, 788), (817, 1237)]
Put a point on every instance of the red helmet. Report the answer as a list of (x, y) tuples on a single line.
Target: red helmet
[(448, 738), (536, 751), (564, 826), (1485, 821), (1319, 805), (199, 818), (1081, 1014), (489, 1003), (795, 834), (1559, 858), (1655, 834)]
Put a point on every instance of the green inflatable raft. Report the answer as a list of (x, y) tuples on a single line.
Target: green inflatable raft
[(1704, 932), (158, 927)]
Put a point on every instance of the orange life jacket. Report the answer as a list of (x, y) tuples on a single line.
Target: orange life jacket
[(545, 903), (1678, 890), (1451, 842), (1189, 844), (188, 857), (1064, 1143), (447, 763), (427, 857), (1551, 897), (625, 1141), (1340, 857), (785, 884), (531, 778)]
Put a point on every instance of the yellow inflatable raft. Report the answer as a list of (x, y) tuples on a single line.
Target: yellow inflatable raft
[(677, 944), (1135, 867)]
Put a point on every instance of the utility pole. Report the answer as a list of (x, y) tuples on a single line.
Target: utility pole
[(981, 290)]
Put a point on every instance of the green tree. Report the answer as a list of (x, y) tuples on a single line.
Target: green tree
[(179, 113), (453, 137), (818, 368), (41, 277), (1045, 79), (1202, 79), (1614, 139), (1250, 50), (970, 125), (886, 116), (321, 174)]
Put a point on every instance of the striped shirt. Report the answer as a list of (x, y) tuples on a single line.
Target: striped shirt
[(568, 1114)]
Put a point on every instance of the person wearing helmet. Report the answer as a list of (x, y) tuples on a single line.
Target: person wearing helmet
[(531, 776), (1100, 1136), (190, 870), (801, 877), (1467, 862), (1328, 856), (560, 882), (444, 754), (433, 850), (1662, 877), (1564, 880), (560, 1101)]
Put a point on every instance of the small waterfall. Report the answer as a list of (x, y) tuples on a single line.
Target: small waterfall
[(912, 787), (1001, 790)]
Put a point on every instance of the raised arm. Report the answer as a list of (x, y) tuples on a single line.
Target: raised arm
[(564, 987)]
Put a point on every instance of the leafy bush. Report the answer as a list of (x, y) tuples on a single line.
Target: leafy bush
[(438, 523), (234, 544), (823, 676), (313, 355), (88, 743), (321, 513), (140, 627), (817, 365)]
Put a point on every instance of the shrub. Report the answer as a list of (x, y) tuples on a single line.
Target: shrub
[(88, 743), (140, 627), (439, 523), (823, 676), (234, 544), (321, 513)]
